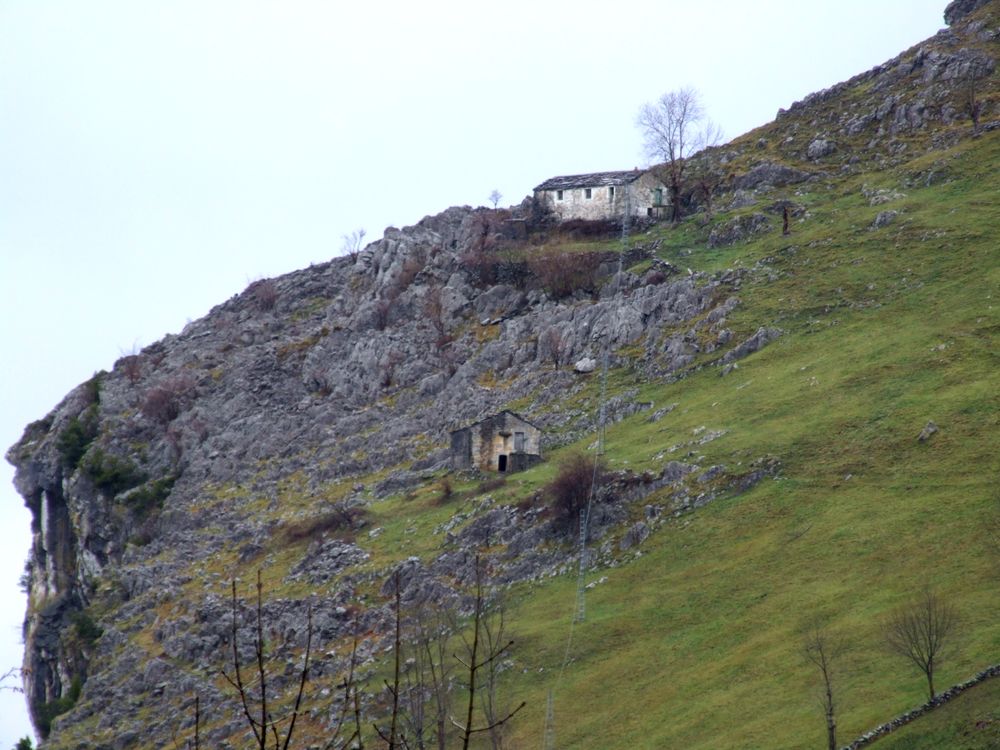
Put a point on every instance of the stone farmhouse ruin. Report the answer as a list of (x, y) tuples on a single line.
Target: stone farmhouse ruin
[(504, 442), (604, 195)]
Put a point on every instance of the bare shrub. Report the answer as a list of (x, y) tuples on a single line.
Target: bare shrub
[(131, 364), (165, 402), (383, 308), (411, 267), (341, 520), (434, 310), (489, 485), (446, 491), (570, 490), (562, 274), (319, 382), (389, 364), (264, 293), (554, 346), (481, 266), (353, 243)]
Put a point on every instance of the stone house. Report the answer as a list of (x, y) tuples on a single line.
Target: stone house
[(504, 442), (604, 195)]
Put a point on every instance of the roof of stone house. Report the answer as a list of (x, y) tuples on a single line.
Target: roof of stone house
[(492, 416), (595, 179)]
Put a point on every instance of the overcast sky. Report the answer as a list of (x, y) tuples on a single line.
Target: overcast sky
[(156, 157)]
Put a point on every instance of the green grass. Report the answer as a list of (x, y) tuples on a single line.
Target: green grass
[(969, 722), (697, 641)]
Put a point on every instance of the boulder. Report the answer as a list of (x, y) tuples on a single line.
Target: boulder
[(820, 148)]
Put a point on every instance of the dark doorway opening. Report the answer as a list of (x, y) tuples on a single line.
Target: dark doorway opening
[(502, 463)]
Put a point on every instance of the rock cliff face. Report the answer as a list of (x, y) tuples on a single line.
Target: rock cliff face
[(355, 367), (323, 389)]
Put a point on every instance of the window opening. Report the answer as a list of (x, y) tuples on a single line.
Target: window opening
[(559, 195), (586, 193), (519, 442)]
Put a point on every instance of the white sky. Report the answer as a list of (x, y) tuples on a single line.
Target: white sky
[(156, 157)]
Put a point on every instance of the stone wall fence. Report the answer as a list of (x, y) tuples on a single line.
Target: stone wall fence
[(939, 700)]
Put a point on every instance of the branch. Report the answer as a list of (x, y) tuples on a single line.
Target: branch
[(504, 720), (238, 682), (305, 676)]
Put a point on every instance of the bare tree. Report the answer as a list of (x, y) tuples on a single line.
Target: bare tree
[(350, 706), (673, 128), (353, 243), (477, 661), (254, 700), (495, 198), (919, 631), (391, 737), (495, 636), (821, 650)]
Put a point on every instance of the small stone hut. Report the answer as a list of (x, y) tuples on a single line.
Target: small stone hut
[(505, 442), (604, 195)]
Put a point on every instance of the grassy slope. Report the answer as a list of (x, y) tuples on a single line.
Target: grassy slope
[(970, 722), (697, 642)]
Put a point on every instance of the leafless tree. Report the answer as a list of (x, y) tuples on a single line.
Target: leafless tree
[(495, 636), (822, 651), (14, 673), (495, 198), (254, 700), (477, 660), (919, 631), (350, 705), (131, 363), (434, 629), (391, 736), (353, 243), (673, 128)]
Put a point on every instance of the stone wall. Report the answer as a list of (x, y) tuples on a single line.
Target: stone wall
[(903, 719)]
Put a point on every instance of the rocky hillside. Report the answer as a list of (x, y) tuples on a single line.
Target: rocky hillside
[(301, 428)]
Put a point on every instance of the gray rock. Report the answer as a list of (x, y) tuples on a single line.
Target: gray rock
[(820, 148), (956, 10), (884, 219), (929, 430), (585, 365), (771, 174), (761, 338), (738, 229)]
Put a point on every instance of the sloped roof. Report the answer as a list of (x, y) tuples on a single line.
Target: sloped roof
[(595, 179), (494, 416)]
